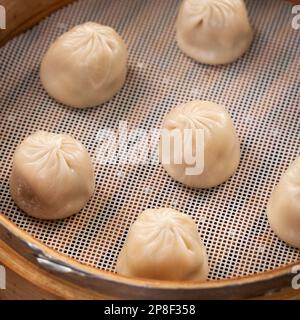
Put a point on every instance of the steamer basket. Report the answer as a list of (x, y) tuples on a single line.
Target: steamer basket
[(75, 258)]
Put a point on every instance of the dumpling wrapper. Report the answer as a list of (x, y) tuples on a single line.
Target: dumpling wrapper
[(86, 66), (52, 176), (284, 206), (221, 146), (163, 244), (213, 31)]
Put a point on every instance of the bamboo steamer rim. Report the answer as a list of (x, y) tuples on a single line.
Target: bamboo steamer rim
[(27, 246), (32, 249)]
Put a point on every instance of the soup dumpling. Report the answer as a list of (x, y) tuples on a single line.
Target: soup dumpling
[(86, 66), (163, 244), (218, 153), (52, 176), (213, 31), (284, 206)]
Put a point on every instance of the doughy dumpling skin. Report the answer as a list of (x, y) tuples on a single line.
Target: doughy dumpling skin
[(284, 206), (163, 244), (221, 145), (213, 31), (86, 66), (52, 176)]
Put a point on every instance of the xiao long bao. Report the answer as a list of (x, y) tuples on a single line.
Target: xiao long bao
[(52, 176), (284, 206), (86, 66), (213, 31), (219, 151), (163, 244)]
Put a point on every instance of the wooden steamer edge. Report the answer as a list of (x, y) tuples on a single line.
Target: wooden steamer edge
[(24, 14), (63, 278)]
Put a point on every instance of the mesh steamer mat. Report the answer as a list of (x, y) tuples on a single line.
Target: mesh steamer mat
[(260, 91)]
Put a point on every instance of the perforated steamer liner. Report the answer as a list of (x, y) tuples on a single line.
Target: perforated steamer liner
[(260, 91)]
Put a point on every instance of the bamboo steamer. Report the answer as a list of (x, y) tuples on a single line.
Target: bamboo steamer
[(35, 271)]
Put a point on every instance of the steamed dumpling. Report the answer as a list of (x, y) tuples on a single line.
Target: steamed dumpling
[(219, 152), (213, 31), (52, 176), (163, 244), (284, 206), (86, 66)]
